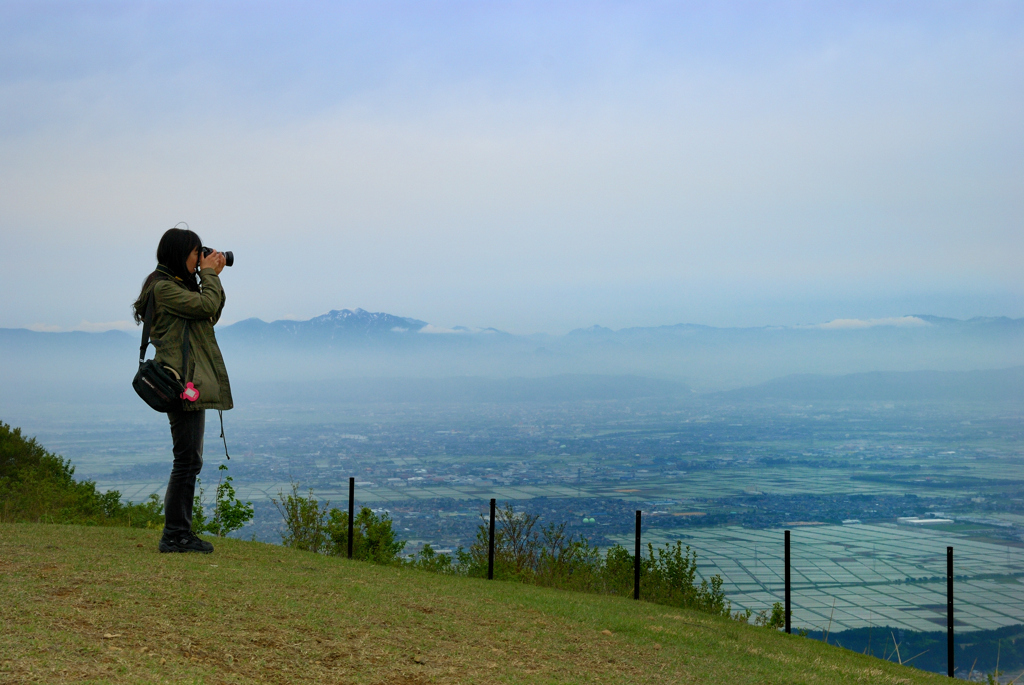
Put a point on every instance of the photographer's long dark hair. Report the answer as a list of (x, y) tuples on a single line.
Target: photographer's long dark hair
[(172, 254)]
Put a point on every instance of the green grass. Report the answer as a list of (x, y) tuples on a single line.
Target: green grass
[(102, 605)]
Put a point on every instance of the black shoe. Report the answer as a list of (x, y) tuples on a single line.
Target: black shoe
[(185, 542)]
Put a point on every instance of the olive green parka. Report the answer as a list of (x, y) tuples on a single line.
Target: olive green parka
[(177, 307)]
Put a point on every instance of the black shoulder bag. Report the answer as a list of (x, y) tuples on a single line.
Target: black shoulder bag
[(159, 386)]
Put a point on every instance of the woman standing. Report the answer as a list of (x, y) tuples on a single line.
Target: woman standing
[(187, 296)]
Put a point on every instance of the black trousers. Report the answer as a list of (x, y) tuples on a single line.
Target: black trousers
[(187, 431)]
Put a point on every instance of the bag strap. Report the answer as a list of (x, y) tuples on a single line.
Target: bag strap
[(220, 413), (147, 326), (184, 353)]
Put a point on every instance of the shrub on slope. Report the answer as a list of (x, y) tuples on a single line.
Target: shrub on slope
[(550, 557), (312, 527), (39, 486)]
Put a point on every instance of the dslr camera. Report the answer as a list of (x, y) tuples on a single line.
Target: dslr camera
[(229, 257)]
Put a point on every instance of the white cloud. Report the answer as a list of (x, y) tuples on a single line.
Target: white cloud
[(900, 321), (431, 328), (105, 326), (86, 326)]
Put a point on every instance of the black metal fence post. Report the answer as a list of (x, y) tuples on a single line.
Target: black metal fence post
[(490, 546), (789, 627), (351, 513), (949, 611), (636, 560)]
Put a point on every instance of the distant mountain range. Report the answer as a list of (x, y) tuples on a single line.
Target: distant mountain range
[(334, 326), (998, 385), (360, 343), (781, 361), (346, 325)]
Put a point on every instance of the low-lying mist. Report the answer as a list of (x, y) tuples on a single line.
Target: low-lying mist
[(363, 357)]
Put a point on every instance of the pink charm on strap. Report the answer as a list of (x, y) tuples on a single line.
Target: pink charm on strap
[(191, 393)]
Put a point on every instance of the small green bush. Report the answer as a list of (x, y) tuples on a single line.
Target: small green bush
[(304, 519), (229, 513), (373, 537), (567, 562), (776, 620), (313, 527), (429, 560)]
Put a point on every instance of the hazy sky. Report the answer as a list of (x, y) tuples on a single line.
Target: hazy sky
[(535, 167)]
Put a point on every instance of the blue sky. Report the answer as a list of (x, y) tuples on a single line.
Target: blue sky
[(530, 166)]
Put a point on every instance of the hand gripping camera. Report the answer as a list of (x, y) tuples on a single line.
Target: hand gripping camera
[(229, 257)]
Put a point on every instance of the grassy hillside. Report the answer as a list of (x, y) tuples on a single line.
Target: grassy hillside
[(39, 486), (97, 604)]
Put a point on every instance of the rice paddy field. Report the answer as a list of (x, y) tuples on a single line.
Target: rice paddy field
[(856, 576)]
